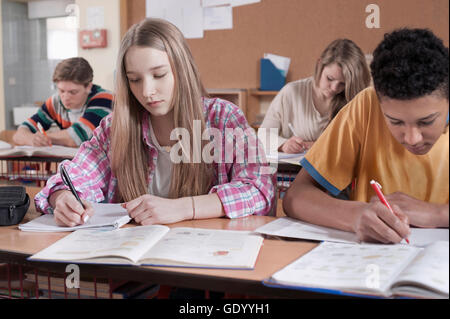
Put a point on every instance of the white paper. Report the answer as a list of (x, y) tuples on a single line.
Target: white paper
[(236, 3), (281, 63), (290, 227), (4, 145), (280, 156), (95, 18), (186, 15), (109, 216), (218, 18)]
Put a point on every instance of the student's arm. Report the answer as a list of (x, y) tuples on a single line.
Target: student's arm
[(149, 209), (274, 119), (90, 171), (420, 213), (62, 137), (68, 211), (24, 136), (307, 201)]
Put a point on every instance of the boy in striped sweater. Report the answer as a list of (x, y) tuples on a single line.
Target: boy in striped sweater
[(76, 109)]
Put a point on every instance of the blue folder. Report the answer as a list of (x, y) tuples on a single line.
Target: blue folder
[(271, 78)]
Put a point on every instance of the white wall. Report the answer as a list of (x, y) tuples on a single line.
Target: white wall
[(2, 94), (102, 60)]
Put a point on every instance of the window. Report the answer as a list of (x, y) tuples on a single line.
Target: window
[(62, 41)]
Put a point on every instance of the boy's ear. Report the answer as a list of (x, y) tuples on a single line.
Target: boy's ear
[(89, 87)]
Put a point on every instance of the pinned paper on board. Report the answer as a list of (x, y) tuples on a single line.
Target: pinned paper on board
[(233, 3), (186, 15), (218, 18), (192, 17)]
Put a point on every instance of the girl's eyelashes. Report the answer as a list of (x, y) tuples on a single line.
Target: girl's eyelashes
[(158, 76), (426, 123)]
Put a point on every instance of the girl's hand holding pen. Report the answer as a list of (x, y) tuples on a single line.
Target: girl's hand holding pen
[(68, 211), (294, 145)]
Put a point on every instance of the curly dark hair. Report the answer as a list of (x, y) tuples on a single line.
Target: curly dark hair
[(410, 63)]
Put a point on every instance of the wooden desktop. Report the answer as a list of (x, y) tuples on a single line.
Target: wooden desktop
[(16, 246)]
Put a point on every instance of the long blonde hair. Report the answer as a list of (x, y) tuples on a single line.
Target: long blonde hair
[(354, 67), (129, 152)]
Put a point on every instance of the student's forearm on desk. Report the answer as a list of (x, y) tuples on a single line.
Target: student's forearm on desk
[(206, 206), (23, 136), (306, 201), (444, 212), (62, 138)]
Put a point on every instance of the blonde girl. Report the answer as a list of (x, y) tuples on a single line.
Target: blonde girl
[(132, 157), (308, 105)]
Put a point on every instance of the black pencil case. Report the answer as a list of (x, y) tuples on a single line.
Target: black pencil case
[(14, 203)]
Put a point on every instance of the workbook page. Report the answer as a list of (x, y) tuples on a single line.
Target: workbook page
[(351, 267), (205, 247), (430, 269), (83, 244)]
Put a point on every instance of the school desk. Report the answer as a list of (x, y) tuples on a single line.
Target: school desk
[(16, 246)]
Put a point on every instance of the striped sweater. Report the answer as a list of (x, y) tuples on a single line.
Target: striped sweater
[(98, 105)]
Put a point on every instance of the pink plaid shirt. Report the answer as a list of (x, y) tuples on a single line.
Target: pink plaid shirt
[(244, 181)]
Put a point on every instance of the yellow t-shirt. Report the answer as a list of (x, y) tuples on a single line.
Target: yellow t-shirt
[(357, 145)]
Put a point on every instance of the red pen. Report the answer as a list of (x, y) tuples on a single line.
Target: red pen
[(39, 125), (377, 187)]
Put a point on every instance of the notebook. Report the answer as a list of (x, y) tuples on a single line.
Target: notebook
[(4, 145), (294, 228), (368, 269), (47, 151), (157, 245), (281, 157), (106, 216)]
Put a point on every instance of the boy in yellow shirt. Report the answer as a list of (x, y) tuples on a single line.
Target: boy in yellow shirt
[(396, 134)]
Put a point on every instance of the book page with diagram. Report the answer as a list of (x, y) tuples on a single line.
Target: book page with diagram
[(430, 269), (205, 247), (348, 267)]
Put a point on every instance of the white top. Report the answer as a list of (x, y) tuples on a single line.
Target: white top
[(160, 184), (293, 104)]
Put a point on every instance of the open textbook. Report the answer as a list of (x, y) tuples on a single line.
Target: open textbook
[(281, 157), (294, 228), (157, 245), (106, 216), (47, 151), (380, 270)]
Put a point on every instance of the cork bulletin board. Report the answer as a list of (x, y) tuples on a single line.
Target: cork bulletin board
[(299, 29)]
